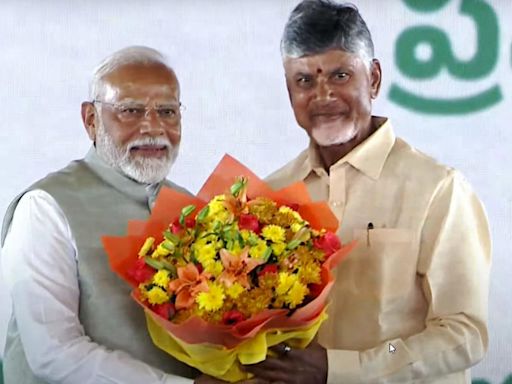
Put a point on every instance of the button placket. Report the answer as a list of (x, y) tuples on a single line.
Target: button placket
[(337, 190)]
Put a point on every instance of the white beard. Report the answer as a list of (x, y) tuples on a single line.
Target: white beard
[(329, 134), (146, 170)]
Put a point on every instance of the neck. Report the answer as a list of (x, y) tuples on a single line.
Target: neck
[(332, 154)]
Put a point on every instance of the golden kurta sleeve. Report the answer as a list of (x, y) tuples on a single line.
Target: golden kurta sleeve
[(453, 272)]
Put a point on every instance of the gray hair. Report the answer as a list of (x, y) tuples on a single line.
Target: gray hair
[(316, 26), (128, 55)]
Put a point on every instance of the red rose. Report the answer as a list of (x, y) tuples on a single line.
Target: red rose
[(166, 310), (232, 317), (176, 227), (190, 222), (269, 268), (140, 271), (249, 222), (329, 243)]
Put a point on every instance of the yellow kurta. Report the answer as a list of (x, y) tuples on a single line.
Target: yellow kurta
[(418, 280)]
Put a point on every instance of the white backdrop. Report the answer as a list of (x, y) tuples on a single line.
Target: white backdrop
[(226, 55)]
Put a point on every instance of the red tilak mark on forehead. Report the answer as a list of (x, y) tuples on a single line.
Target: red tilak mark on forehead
[(319, 70)]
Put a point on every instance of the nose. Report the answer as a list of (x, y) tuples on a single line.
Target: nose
[(324, 91), (150, 124)]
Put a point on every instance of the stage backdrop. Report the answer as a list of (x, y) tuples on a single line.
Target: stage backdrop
[(446, 86)]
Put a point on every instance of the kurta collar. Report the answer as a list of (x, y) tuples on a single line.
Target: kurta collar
[(368, 157)]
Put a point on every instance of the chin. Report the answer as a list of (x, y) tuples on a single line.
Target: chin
[(327, 136)]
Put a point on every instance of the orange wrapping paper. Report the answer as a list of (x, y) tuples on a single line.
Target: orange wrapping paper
[(217, 349)]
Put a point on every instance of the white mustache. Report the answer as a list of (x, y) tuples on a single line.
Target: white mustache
[(153, 141)]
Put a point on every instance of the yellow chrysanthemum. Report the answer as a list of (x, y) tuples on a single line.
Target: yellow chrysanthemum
[(211, 300), (254, 301), (205, 254), (296, 294), (236, 249), (288, 210), (258, 250), (214, 267), (217, 209), (274, 233), (162, 278), (286, 281), (157, 295), (160, 251), (235, 290), (278, 248), (143, 291), (309, 273), (246, 234)]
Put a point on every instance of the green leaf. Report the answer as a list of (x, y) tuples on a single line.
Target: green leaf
[(203, 213), (252, 240), (267, 254), (167, 244), (171, 237), (188, 210), (293, 244), (240, 239), (153, 263), (171, 268), (236, 188)]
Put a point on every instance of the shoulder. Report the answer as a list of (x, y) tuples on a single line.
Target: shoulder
[(176, 187), (410, 163), (291, 172)]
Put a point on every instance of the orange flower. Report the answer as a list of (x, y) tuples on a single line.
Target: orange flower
[(237, 268), (188, 284)]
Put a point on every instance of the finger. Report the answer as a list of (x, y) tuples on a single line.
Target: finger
[(255, 380), (269, 371), (272, 363), (281, 349)]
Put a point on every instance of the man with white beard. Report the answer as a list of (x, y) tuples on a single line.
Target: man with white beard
[(73, 319), (410, 301)]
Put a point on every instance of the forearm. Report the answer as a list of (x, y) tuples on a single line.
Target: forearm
[(450, 344), (58, 351)]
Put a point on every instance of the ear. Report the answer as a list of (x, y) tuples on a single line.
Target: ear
[(89, 118), (375, 78)]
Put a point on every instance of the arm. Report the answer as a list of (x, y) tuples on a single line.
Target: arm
[(454, 265), (39, 263)]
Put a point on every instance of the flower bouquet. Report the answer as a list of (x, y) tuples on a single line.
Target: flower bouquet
[(227, 274)]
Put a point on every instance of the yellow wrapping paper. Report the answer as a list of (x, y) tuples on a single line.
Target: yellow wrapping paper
[(224, 363)]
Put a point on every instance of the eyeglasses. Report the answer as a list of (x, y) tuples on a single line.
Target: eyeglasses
[(133, 113)]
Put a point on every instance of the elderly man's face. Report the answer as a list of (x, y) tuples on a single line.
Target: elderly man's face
[(137, 122), (331, 95)]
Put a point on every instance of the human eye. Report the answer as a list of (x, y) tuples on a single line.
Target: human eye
[(131, 110), (167, 111), (304, 81), (340, 76)]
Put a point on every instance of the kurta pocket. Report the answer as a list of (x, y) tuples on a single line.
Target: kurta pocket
[(383, 264)]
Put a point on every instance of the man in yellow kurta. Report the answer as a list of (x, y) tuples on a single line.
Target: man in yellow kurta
[(410, 303)]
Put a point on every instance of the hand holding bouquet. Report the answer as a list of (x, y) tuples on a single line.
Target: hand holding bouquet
[(226, 275)]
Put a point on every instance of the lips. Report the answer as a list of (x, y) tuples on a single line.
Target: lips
[(326, 116), (149, 150), (149, 147)]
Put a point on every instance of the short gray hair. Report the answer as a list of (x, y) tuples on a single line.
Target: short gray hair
[(316, 26), (128, 55)]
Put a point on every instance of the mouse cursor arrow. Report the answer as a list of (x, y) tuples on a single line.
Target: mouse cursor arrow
[(392, 348)]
